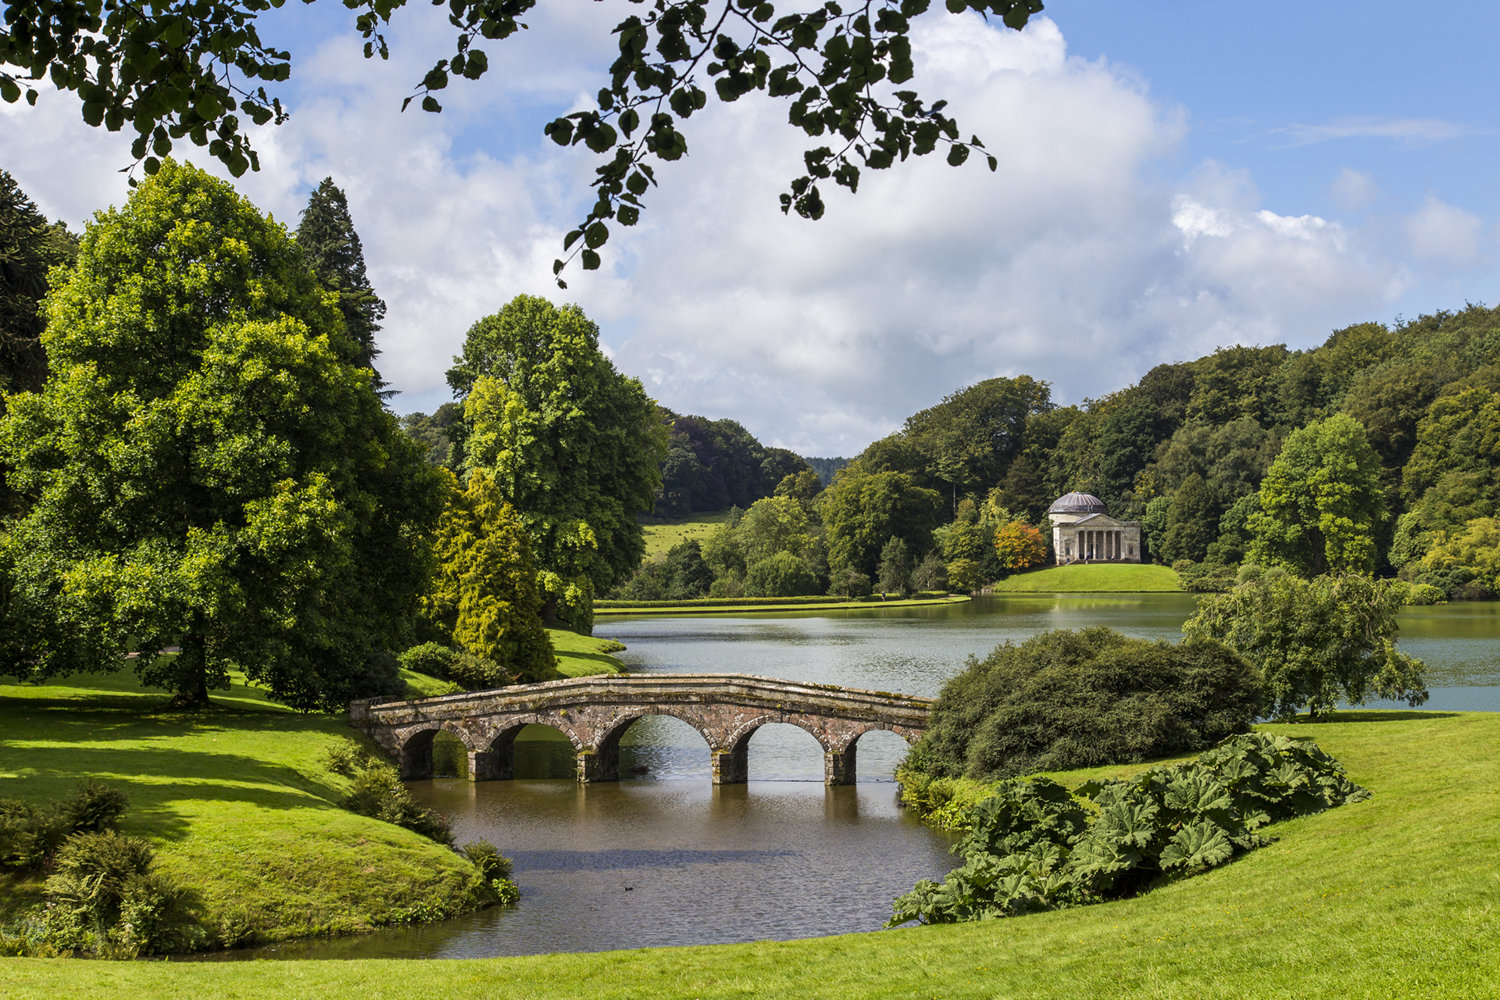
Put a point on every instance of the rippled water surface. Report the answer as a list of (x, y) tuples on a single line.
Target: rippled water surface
[(664, 857)]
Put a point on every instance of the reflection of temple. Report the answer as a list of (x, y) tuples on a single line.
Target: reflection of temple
[(1082, 532)]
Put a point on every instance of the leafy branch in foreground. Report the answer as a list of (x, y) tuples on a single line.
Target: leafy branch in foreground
[(175, 70)]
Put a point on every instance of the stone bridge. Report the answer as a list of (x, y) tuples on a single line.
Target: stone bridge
[(594, 712)]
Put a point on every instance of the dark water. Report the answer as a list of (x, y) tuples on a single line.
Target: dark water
[(666, 858)]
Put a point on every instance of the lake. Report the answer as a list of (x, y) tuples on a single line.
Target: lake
[(666, 858)]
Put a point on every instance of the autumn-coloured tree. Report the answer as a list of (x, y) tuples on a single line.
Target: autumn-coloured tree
[(1019, 546)]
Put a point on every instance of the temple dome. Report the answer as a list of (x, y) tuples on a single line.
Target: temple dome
[(1077, 503)]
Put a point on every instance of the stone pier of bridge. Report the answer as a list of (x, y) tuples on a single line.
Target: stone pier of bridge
[(594, 712)]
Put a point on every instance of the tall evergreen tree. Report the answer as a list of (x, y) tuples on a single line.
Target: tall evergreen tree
[(29, 247), (326, 234)]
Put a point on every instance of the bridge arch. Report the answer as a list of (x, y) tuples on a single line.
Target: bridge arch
[(413, 748), (607, 749), (495, 760)]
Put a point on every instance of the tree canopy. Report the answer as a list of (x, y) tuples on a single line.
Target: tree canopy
[(207, 467), (571, 443), (1316, 642), (29, 248), (190, 71)]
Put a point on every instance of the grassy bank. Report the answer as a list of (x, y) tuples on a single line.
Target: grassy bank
[(727, 605), (584, 655), (1098, 578), (1398, 896), (237, 801)]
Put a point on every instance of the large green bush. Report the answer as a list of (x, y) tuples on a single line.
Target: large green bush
[(1076, 699)]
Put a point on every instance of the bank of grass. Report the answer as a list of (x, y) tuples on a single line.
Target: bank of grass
[(237, 801), (1097, 578), (661, 537), (585, 655), (1397, 896)]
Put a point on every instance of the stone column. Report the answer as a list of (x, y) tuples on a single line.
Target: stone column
[(839, 768), (491, 765), (732, 767), (594, 765)]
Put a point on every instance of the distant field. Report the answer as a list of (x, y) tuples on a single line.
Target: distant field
[(661, 537), (1095, 579)]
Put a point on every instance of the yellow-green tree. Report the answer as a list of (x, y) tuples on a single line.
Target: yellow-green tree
[(484, 593)]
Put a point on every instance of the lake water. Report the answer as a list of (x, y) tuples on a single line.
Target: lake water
[(666, 858)]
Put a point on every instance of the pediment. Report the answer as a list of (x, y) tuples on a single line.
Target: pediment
[(1102, 521)]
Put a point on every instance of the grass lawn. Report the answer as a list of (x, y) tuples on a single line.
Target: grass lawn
[(661, 537), (1397, 896), (237, 801), (1098, 578), (585, 655)]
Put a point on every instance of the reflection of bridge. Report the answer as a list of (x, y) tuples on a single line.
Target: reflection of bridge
[(594, 712)]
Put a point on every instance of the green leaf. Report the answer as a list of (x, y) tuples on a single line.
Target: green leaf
[(590, 260)]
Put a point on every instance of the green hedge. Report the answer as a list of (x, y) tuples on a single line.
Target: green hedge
[(742, 602)]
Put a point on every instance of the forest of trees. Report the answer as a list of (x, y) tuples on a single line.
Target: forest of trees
[(201, 456)]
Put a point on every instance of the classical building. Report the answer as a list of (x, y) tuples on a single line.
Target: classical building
[(1083, 532)]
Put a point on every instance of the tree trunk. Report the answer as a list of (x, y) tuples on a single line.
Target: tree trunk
[(192, 677)]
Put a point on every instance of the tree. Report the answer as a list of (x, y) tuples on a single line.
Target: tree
[(895, 567), (1192, 522), (191, 71), (1321, 502), (862, 511), (1019, 545), (207, 466), (29, 248), (780, 574), (1465, 562), (326, 234), (1316, 641), (571, 443), (971, 437), (484, 593)]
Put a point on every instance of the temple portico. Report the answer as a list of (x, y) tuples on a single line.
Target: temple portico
[(1083, 532)]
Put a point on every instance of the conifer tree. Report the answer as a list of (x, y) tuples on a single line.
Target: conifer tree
[(29, 247), (326, 235)]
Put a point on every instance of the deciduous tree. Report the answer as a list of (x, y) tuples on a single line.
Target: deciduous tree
[(1321, 502), (571, 443), (1019, 545), (1316, 642), (209, 468), (191, 71)]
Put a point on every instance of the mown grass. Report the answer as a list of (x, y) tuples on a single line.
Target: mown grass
[(661, 537), (585, 655), (237, 800), (1397, 896), (1098, 578)]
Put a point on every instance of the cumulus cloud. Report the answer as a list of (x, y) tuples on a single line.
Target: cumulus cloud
[(1081, 260), (1444, 234)]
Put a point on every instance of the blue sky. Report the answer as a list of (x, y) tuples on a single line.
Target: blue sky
[(1174, 177)]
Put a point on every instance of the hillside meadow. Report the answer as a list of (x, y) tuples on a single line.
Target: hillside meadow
[(1097, 578), (1397, 896)]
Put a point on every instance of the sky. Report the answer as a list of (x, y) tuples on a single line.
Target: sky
[(1173, 178)]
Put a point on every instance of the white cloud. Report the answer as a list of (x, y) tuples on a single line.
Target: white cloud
[(1075, 262), (1444, 234)]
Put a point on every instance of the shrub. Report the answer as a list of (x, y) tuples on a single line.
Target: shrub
[(1076, 699), (28, 834), (377, 792), (470, 672), (103, 898), (1031, 846), (495, 869), (850, 583)]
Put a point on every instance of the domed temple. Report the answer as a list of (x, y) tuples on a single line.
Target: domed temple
[(1083, 532)]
